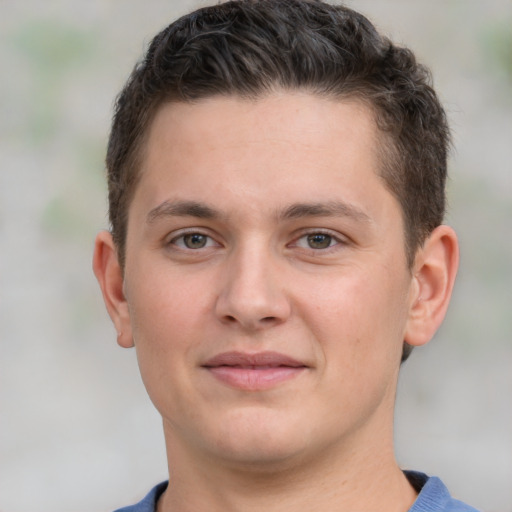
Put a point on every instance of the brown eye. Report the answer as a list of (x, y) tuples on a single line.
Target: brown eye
[(319, 241), (195, 240)]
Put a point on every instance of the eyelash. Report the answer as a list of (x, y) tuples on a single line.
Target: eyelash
[(335, 241), (181, 236)]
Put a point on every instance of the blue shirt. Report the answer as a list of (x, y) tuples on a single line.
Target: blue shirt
[(433, 497)]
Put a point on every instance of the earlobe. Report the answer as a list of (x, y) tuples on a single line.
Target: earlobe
[(433, 279), (109, 274)]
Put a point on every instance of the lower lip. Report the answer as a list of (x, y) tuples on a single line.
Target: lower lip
[(254, 379)]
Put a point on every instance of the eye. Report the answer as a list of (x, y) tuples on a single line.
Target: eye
[(193, 241), (317, 241)]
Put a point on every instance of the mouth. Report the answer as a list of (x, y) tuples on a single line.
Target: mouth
[(253, 372)]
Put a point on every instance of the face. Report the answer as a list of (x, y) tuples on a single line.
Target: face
[(266, 278)]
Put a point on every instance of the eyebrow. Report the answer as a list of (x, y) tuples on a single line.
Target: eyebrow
[(328, 209), (181, 209), (292, 212)]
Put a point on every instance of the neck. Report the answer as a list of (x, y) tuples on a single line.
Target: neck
[(365, 479)]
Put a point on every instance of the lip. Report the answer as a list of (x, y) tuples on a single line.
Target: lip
[(253, 372)]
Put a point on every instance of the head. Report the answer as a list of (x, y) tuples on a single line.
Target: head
[(276, 179)]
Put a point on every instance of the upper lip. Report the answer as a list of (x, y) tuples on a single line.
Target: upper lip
[(259, 359)]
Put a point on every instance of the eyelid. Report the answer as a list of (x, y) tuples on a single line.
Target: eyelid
[(180, 233), (340, 239)]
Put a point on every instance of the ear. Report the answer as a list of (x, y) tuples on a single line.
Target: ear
[(434, 272), (110, 277)]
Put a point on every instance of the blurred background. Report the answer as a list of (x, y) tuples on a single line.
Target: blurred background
[(77, 431)]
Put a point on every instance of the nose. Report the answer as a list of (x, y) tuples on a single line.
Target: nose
[(252, 295)]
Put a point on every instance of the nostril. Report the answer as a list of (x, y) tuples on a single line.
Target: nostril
[(263, 321)]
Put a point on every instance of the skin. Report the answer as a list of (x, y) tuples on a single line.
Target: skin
[(263, 226)]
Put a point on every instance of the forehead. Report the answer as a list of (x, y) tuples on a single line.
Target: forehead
[(268, 150), (298, 115)]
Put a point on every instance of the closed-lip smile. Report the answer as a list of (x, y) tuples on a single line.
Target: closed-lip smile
[(253, 372)]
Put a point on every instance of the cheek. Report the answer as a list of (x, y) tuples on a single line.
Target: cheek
[(164, 319), (165, 305), (360, 313)]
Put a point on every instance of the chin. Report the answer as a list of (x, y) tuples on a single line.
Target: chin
[(261, 458), (260, 442)]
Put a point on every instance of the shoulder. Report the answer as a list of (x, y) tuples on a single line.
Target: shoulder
[(148, 504), (433, 495)]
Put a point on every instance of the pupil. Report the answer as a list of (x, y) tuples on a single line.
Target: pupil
[(195, 241), (319, 241)]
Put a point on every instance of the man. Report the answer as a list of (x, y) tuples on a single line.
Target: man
[(276, 187)]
